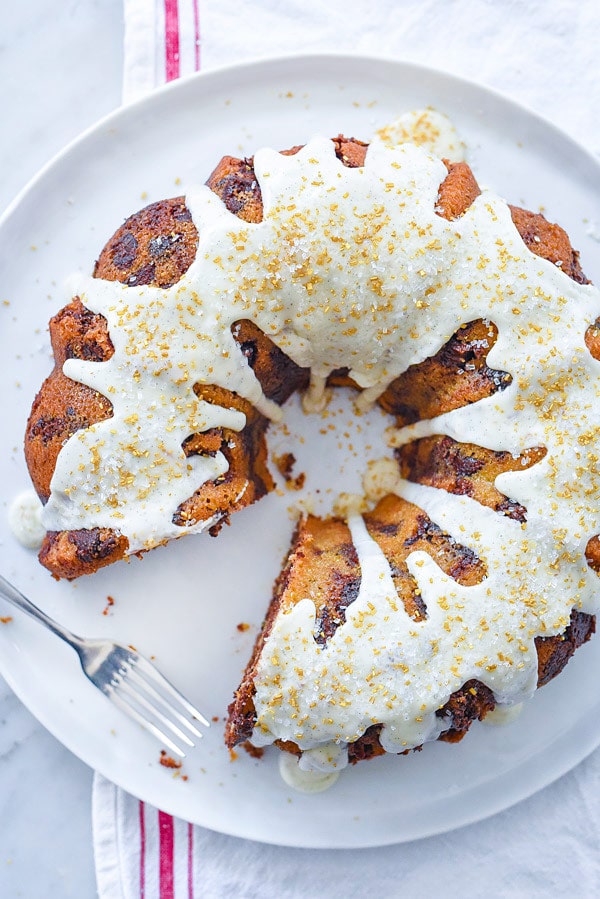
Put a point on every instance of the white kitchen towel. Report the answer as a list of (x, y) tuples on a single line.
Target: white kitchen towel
[(162, 43), (545, 848), (543, 53)]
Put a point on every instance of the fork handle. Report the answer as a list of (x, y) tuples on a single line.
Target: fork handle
[(16, 598)]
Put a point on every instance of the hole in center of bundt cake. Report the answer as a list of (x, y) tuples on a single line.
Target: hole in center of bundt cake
[(339, 447), (320, 459)]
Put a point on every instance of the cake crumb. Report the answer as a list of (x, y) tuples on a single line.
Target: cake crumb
[(6, 619), (296, 483), (256, 752), (109, 604), (233, 756), (243, 626), (285, 465), (167, 761), (215, 718)]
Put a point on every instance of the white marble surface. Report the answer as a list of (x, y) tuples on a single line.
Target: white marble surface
[(60, 70)]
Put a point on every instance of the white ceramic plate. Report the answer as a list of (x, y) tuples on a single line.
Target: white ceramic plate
[(182, 603)]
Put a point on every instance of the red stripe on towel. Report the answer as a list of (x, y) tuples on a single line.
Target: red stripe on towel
[(171, 40), (165, 858), (190, 861), (142, 852), (196, 36)]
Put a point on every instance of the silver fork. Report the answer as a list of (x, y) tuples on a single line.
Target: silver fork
[(127, 679)]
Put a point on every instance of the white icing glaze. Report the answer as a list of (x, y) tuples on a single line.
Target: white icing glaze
[(353, 268), (503, 714), (304, 780), (325, 757), (24, 519), (380, 478), (426, 128)]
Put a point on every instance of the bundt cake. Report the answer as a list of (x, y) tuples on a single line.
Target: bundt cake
[(469, 321)]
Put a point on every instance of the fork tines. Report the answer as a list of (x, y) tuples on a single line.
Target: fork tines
[(148, 697)]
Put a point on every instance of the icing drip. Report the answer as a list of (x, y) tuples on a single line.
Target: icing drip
[(305, 780), (426, 128), (503, 714), (24, 519), (325, 757)]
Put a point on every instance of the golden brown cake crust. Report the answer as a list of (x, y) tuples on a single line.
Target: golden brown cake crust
[(154, 246), (64, 406)]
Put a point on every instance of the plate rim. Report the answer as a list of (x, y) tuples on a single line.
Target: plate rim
[(256, 62), (343, 60)]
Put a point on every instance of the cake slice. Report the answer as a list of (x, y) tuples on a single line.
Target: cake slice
[(323, 567)]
